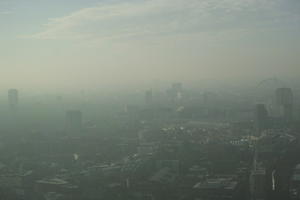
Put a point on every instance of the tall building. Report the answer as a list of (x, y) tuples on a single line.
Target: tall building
[(149, 97), (175, 92), (284, 100), (261, 117), (73, 121), (13, 98)]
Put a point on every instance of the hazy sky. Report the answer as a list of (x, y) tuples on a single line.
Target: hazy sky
[(65, 43)]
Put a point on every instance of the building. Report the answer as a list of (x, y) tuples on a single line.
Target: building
[(284, 100), (294, 189), (261, 117), (258, 184), (73, 121), (284, 96), (175, 93), (13, 98), (217, 188)]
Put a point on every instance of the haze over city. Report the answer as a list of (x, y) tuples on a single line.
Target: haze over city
[(149, 100), (93, 43)]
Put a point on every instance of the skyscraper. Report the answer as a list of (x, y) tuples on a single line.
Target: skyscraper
[(13, 98), (261, 117), (284, 99), (73, 121)]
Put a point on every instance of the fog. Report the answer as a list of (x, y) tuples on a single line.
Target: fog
[(59, 44), (149, 100)]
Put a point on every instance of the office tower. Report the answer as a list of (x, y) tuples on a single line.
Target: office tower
[(13, 98), (73, 121), (148, 97), (261, 117), (284, 99)]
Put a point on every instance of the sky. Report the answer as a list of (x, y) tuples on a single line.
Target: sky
[(103, 43)]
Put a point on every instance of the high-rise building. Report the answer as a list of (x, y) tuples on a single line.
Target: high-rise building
[(73, 121), (13, 98), (149, 97), (284, 99), (175, 93), (261, 117)]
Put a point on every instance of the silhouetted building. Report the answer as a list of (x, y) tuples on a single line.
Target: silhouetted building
[(73, 121), (13, 98), (261, 117), (284, 99)]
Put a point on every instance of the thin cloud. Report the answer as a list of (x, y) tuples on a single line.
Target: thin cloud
[(155, 17)]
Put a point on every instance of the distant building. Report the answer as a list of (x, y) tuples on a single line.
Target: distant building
[(73, 121), (175, 93), (220, 188), (284, 96), (258, 184), (294, 189), (284, 100), (261, 117), (13, 98), (149, 97)]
